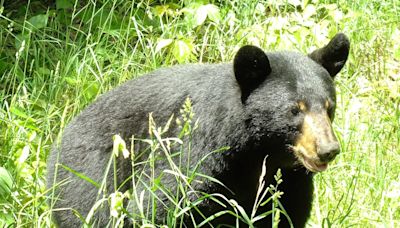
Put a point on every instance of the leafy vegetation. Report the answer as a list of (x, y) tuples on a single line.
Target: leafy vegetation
[(58, 56)]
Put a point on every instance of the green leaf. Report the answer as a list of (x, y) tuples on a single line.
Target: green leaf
[(64, 4), (80, 175), (213, 13), (91, 91), (6, 220), (32, 135), (21, 38), (309, 11), (182, 50), (163, 43), (63, 17), (24, 155), (6, 182), (38, 21), (72, 81), (200, 16), (160, 10), (20, 113), (397, 53), (43, 71)]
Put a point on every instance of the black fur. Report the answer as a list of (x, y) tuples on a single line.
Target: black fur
[(247, 106), (251, 68), (334, 55)]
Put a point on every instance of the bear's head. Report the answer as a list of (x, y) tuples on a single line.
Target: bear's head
[(289, 101)]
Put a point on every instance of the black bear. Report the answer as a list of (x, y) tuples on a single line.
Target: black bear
[(274, 104)]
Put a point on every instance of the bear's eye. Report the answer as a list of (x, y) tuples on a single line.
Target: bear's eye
[(295, 110), (299, 107), (331, 111)]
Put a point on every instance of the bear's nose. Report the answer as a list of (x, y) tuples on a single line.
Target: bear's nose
[(327, 152)]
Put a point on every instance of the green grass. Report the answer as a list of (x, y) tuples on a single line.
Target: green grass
[(56, 60)]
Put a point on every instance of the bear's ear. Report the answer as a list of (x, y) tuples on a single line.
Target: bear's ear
[(334, 55), (251, 67)]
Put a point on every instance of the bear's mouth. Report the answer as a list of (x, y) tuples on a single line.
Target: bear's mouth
[(310, 163), (313, 165)]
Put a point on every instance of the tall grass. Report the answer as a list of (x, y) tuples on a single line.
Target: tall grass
[(56, 59)]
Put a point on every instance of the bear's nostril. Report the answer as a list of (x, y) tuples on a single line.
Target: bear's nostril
[(328, 151)]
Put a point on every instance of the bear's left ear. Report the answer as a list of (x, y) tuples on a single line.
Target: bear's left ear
[(334, 55), (251, 67)]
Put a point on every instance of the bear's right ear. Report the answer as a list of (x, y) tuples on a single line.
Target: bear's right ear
[(251, 67), (334, 55)]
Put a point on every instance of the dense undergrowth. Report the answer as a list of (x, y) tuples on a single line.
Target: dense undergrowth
[(58, 56)]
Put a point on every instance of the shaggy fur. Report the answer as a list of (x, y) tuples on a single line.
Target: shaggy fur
[(246, 105)]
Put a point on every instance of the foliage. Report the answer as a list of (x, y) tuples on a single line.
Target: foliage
[(58, 56)]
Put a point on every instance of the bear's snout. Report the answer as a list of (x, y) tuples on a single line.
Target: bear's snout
[(317, 144), (328, 151)]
